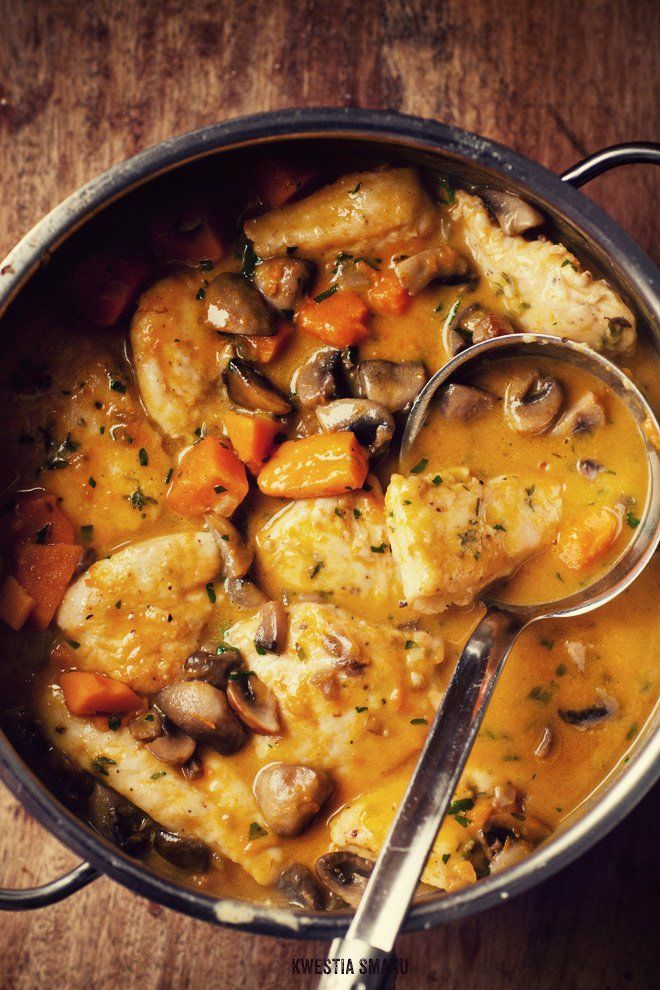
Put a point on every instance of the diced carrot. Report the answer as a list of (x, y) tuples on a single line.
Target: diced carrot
[(339, 319), (62, 655), (320, 465), (277, 180), (15, 604), (36, 516), (387, 295), (192, 234), (210, 477), (88, 693), (104, 285), (44, 572), (252, 437), (265, 349), (588, 538)]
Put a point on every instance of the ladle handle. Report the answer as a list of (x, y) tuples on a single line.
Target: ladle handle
[(370, 938)]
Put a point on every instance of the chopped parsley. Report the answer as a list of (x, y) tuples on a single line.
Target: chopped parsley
[(568, 261), (357, 513), (437, 480), (410, 644), (420, 466), (210, 591), (419, 721), (117, 386), (501, 527), (446, 192), (74, 644), (379, 549), (632, 520), (256, 831), (249, 260), (158, 774), (101, 764), (313, 571), (326, 295), (540, 694), (457, 808), (139, 500), (548, 643), (361, 708), (87, 533), (91, 482), (168, 476), (143, 457)]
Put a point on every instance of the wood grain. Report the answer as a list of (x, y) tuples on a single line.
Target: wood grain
[(84, 85)]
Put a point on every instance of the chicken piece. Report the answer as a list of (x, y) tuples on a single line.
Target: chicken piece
[(178, 358), (356, 212), (542, 283), (139, 613), (347, 689), (73, 423), (325, 546), (452, 539), (218, 808)]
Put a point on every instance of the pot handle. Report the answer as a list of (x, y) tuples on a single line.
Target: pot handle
[(631, 153), (49, 893)]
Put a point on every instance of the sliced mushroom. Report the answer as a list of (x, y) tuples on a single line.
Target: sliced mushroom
[(118, 819), (513, 214), (393, 386), (586, 718), (272, 629), (245, 593), (252, 390), (236, 555), (589, 468), (146, 727), (193, 769), (371, 423), (233, 306), (505, 795), (213, 668), (182, 851), (513, 851), (290, 795), (254, 703), (440, 262), (546, 744), (464, 403), (584, 416), (317, 381), (532, 402), (203, 713), (174, 747), (298, 885), (283, 281), (344, 874), (477, 324)]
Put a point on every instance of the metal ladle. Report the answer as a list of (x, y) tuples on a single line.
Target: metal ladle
[(369, 942)]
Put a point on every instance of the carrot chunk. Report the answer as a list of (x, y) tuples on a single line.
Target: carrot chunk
[(265, 349), (36, 517), (104, 285), (189, 234), (321, 465), (252, 437), (210, 478), (339, 319), (89, 693), (387, 295), (15, 604), (588, 538), (44, 572)]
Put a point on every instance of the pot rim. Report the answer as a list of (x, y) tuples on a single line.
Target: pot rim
[(632, 266)]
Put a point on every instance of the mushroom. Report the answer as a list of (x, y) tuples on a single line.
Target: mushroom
[(182, 851), (236, 555), (371, 423), (118, 819), (584, 416), (213, 668), (505, 795), (271, 631), (244, 592), (512, 852), (345, 874), (513, 214), (298, 886), (393, 386), (481, 325), (586, 718), (147, 726), (290, 795), (589, 468), (440, 262), (464, 403), (193, 769), (532, 402), (283, 280), (203, 713), (254, 703), (545, 744), (252, 390), (174, 747), (233, 306), (316, 382)]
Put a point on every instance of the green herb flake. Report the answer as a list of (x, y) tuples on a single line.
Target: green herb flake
[(261, 651), (410, 644), (542, 695), (168, 476), (219, 489), (143, 457), (118, 603), (101, 764), (568, 261), (73, 644), (419, 721), (548, 643), (437, 480), (139, 500), (356, 513), (446, 192), (420, 466), (340, 512), (256, 831), (379, 549), (446, 857), (501, 527), (361, 708), (632, 520), (114, 722), (210, 591), (326, 295), (314, 570), (91, 482), (560, 669), (117, 386), (158, 774), (632, 731), (87, 533)]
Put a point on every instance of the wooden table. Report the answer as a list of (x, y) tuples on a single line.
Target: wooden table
[(87, 84)]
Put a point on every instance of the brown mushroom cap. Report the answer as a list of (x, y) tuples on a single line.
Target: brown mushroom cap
[(174, 747), (183, 851), (464, 403), (345, 874), (211, 667), (393, 386), (202, 712), (244, 593), (283, 280), (272, 629), (254, 703), (298, 885), (514, 215), (532, 402), (249, 389), (440, 262), (371, 423), (233, 306), (584, 416), (118, 819), (290, 795), (236, 555), (147, 726), (316, 382)]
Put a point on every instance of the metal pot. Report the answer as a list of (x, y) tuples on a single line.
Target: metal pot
[(591, 233)]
